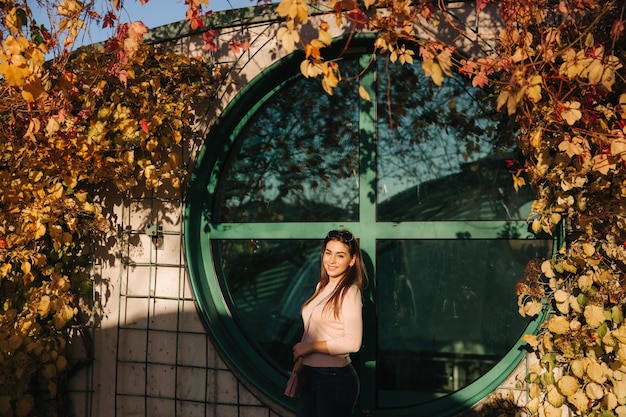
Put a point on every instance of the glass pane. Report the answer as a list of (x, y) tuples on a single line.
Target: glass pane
[(443, 154), (447, 313), (297, 159), (268, 281)]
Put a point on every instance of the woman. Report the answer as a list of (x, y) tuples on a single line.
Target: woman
[(333, 328)]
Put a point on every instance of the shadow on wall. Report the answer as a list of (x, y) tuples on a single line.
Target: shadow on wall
[(159, 361), (166, 365)]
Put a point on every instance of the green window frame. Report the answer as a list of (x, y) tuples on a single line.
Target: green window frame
[(210, 232)]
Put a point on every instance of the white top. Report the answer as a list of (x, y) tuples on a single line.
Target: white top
[(343, 334)]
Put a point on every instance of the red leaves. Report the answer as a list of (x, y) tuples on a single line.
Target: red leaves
[(109, 20), (144, 125), (208, 38), (358, 17), (193, 16), (480, 5), (237, 46)]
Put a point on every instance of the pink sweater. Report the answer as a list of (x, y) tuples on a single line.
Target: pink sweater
[(343, 335)]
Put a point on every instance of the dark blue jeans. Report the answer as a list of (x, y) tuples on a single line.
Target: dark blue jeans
[(328, 392)]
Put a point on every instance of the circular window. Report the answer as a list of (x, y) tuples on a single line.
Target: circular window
[(420, 175)]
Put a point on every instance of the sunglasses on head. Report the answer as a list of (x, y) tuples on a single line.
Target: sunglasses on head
[(343, 235)]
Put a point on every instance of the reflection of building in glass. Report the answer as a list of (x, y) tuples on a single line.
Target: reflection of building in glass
[(479, 190)]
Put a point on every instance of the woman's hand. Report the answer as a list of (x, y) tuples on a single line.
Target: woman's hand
[(301, 349)]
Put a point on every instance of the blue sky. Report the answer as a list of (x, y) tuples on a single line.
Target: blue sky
[(153, 14)]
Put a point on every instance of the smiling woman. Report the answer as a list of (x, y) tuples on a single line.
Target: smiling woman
[(333, 329)]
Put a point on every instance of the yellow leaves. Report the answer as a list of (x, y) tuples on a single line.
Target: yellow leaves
[(63, 315), (603, 163), (530, 308), (432, 69), (518, 181), (324, 36), (382, 43), (535, 137), (558, 324), (531, 339), (14, 66), (311, 68), (594, 315), (579, 400), (508, 98), (574, 63), (618, 148), (546, 268), (43, 307), (52, 126), (5, 268), (561, 299), (363, 93), (571, 112), (594, 391), (621, 353), (331, 76), (403, 55), (534, 88), (288, 36), (588, 249), (435, 65), (14, 20), (591, 64), (554, 397), (520, 85), (579, 367), (585, 282), (296, 10), (620, 334), (568, 385), (602, 68), (573, 146), (597, 372), (20, 65), (69, 8)]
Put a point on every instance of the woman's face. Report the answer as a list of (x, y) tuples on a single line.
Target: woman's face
[(337, 259)]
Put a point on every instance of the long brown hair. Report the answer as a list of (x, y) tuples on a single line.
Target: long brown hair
[(354, 275)]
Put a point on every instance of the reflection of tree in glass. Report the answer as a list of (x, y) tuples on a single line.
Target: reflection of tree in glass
[(297, 159), (428, 132)]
